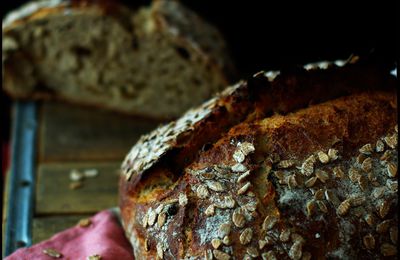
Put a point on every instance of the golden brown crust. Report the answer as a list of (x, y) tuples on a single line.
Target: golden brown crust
[(288, 186)]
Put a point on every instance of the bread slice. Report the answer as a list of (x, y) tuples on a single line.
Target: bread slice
[(156, 61), (289, 165)]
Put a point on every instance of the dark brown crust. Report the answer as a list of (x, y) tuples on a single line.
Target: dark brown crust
[(344, 124)]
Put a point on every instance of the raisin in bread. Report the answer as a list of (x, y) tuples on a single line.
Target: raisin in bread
[(156, 61), (299, 164)]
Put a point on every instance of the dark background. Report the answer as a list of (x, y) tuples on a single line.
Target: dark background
[(272, 34), (266, 34)]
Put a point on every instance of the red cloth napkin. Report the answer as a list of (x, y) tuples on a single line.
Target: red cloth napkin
[(104, 237)]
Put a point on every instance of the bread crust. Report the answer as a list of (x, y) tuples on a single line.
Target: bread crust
[(252, 193)]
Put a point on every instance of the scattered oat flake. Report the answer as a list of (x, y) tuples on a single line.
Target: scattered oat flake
[(75, 175), (94, 257), (90, 173), (52, 253), (75, 185), (85, 222)]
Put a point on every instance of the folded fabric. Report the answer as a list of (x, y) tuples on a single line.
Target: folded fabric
[(100, 236)]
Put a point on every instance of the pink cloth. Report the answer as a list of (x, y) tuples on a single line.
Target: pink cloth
[(104, 237)]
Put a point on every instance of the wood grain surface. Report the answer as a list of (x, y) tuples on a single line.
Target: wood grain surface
[(70, 133), (54, 195)]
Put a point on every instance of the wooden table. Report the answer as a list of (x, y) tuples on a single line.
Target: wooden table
[(71, 137)]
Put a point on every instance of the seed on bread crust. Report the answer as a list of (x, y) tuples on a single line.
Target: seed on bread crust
[(369, 241), (269, 222), (366, 149), (307, 168), (246, 236), (286, 164), (343, 208), (323, 157), (244, 188), (333, 154), (238, 219), (220, 255)]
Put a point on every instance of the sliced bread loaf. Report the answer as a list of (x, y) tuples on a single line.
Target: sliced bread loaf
[(156, 61)]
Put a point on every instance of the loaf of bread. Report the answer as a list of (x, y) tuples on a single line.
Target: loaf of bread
[(156, 61), (298, 164)]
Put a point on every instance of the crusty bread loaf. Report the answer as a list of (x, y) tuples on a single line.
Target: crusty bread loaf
[(156, 61), (289, 165)]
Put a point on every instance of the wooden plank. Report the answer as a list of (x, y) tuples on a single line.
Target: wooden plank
[(45, 227), (54, 196), (74, 133)]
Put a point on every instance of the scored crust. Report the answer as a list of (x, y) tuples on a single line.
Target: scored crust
[(317, 182)]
